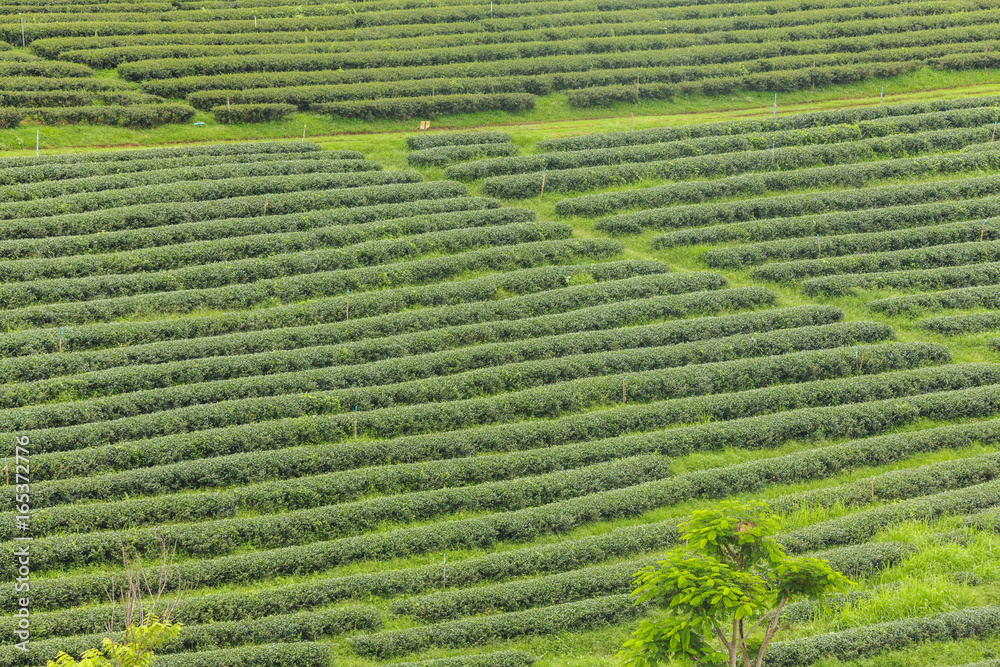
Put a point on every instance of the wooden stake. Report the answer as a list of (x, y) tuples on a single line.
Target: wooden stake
[(22, 32), (347, 310), (982, 231), (303, 131), (994, 131), (623, 389), (861, 365), (355, 422), (873, 488), (544, 170), (819, 247), (265, 203)]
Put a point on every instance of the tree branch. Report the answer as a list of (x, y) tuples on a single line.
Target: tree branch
[(771, 629)]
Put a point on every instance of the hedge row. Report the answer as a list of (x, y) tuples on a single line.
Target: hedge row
[(850, 175), (499, 659), (863, 525), (326, 489), (953, 325), (680, 33), (649, 152), (381, 406), (270, 531), (309, 96), (524, 524), (424, 141), (427, 106), (430, 306), (252, 113), (223, 149), (215, 170), (842, 222), (159, 214), (59, 171), (595, 582), (586, 614), (89, 370), (202, 190), (954, 299), (257, 465), (137, 115), (759, 208), (442, 156), (500, 54), (11, 32), (286, 654), (20, 99), (306, 626), (88, 277), (449, 375), (922, 280), (205, 358), (897, 485), (316, 430), (336, 226), (574, 15), (850, 244), (796, 121), (301, 287), (330, 488), (214, 606), (953, 254), (796, 166), (977, 622), (789, 80)]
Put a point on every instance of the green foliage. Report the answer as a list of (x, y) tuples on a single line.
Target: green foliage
[(840, 222), (426, 106), (729, 579), (884, 637), (135, 649), (852, 175), (442, 156), (795, 167), (809, 120), (252, 113), (424, 141), (780, 206)]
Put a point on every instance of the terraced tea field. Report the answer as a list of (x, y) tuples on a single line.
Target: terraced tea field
[(387, 417), (150, 62)]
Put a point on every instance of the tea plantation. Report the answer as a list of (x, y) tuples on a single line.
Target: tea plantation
[(151, 62), (438, 414)]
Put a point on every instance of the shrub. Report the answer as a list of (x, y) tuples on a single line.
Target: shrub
[(252, 113)]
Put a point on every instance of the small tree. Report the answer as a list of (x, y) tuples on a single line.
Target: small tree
[(730, 581), (144, 630)]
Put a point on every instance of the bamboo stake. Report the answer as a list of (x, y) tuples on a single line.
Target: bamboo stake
[(355, 422), (623, 389), (544, 170), (265, 203), (982, 231), (347, 309)]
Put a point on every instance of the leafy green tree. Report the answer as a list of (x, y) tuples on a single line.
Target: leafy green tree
[(135, 650), (145, 629), (724, 590)]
